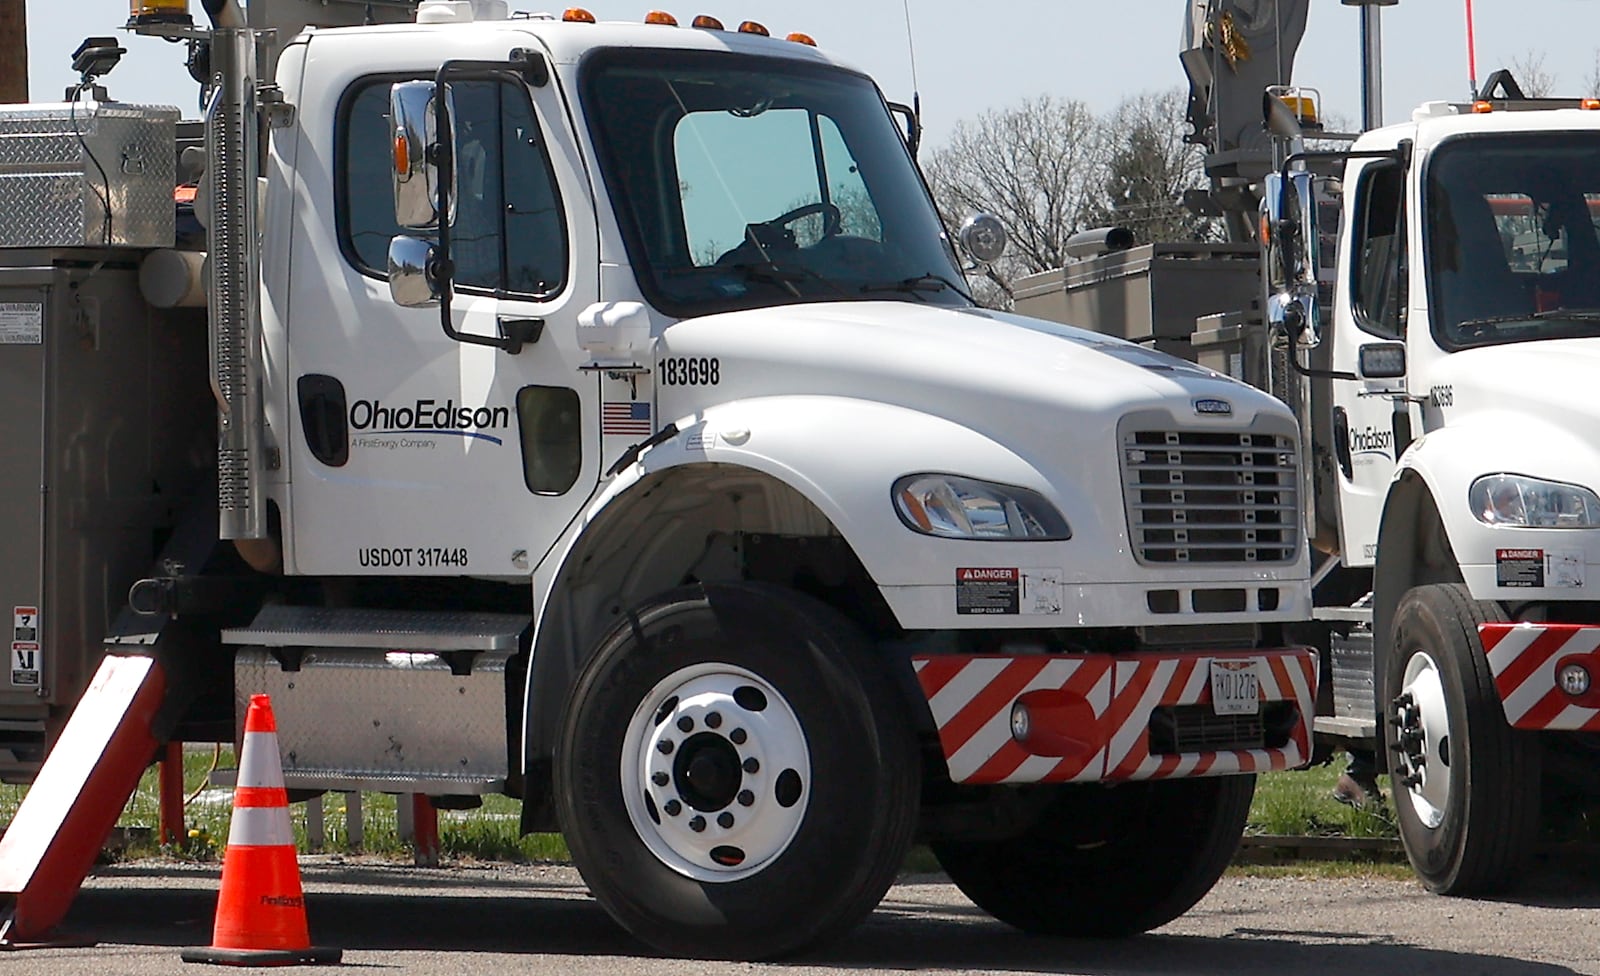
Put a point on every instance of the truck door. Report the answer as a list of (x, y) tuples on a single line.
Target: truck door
[(1370, 306), (411, 453)]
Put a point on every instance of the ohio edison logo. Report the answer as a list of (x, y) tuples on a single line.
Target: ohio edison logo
[(382, 425), (1371, 440)]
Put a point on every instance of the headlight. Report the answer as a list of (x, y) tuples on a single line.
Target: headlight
[(1516, 500), (962, 508)]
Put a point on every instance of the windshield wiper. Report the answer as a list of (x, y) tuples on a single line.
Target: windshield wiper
[(773, 273), (1570, 314), (919, 284)]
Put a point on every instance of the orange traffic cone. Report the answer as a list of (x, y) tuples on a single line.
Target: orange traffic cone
[(261, 913)]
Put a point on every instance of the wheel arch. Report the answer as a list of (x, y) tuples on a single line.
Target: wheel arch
[(1413, 548), (653, 531)]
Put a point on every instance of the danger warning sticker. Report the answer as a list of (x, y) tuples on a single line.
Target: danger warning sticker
[(1009, 590), (25, 663), (25, 656), (24, 623), (1519, 567)]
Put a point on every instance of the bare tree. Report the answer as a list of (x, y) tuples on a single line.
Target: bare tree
[(1036, 166), (1532, 76), (1049, 168), (1148, 167), (1591, 84)]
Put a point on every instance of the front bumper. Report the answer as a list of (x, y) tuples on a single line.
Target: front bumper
[(1099, 717), (1526, 659)]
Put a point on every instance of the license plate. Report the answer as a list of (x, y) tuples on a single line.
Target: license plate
[(1235, 688)]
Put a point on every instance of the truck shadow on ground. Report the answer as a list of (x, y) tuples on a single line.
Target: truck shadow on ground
[(528, 916)]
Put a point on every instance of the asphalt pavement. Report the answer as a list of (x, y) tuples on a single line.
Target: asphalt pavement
[(519, 919)]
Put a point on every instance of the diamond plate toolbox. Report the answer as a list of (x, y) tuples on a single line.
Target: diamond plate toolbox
[(62, 166)]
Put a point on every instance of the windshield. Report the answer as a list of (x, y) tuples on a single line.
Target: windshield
[(743, 182), (1512, 247)]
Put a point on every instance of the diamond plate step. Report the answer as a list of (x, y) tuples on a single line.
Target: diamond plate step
[(391, 630)]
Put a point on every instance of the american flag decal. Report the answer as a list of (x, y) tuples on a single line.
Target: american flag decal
[(625, 419)]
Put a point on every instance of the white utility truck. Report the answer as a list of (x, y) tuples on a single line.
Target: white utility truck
[(705, 512), (1432, 306)]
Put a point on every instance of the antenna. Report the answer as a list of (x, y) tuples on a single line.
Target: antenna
[(1472, 55), (911, 49)]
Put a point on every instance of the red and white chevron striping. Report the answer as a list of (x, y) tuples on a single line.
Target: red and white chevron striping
[(1100, 707), (1524, 659)]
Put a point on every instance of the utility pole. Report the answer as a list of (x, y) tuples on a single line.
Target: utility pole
[(13, 51)]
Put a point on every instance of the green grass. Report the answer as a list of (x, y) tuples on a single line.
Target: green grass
[(1290, 803), (1300, 803), (489, 833)]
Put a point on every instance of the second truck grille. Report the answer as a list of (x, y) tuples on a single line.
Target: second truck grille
[(1211, 496)]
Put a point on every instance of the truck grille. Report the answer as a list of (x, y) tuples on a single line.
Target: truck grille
[(1211, 496)]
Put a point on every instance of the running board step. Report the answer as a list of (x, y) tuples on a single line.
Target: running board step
[(385, 630)]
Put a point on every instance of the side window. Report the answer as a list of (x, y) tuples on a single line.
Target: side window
[(509, 234), (1378, 288)]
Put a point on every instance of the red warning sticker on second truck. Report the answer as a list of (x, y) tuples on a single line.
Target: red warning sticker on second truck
[(1010, 590)]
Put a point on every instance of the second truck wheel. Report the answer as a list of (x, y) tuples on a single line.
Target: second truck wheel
[(1466, 785)]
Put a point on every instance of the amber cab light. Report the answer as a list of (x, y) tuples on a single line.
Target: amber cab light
[(800, 38), (707, 22), (159, 12), (577, 15), (1589, 104), (661, 17), (751, 27), (1482, 107)]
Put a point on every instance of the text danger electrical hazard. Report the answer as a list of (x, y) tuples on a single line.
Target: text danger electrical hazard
[(1007, 590)]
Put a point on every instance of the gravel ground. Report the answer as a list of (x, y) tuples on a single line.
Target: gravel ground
[(516, 919)]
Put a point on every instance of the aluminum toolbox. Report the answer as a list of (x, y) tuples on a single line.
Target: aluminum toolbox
[(63, 165)]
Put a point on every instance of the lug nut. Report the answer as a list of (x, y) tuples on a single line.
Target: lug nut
[(751, 765), (673, 808), (697, 824), (660, 779), (664, 747), (738, 736), (713, 720), (685, 724), (746, 798), (725, 820)]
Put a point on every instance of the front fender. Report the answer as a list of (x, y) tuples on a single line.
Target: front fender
[(1499, 562), (844, 455)]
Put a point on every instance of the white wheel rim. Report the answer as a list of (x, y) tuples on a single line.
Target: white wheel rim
[(716, 772), (1429, 788)]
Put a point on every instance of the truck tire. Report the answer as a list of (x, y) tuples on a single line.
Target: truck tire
[(1465, 783), (736, 775), (1105, 862)]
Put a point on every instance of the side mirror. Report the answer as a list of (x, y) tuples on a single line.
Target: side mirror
[(1289, 228), (1381, 360), (983, 237), (414, 128), (411, 282)]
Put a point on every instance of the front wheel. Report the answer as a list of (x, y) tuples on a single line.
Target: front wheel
[(1466, 784), (1106, 861), (735, 776)]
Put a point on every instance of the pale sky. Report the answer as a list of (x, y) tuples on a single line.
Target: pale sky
[(971, 57)]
